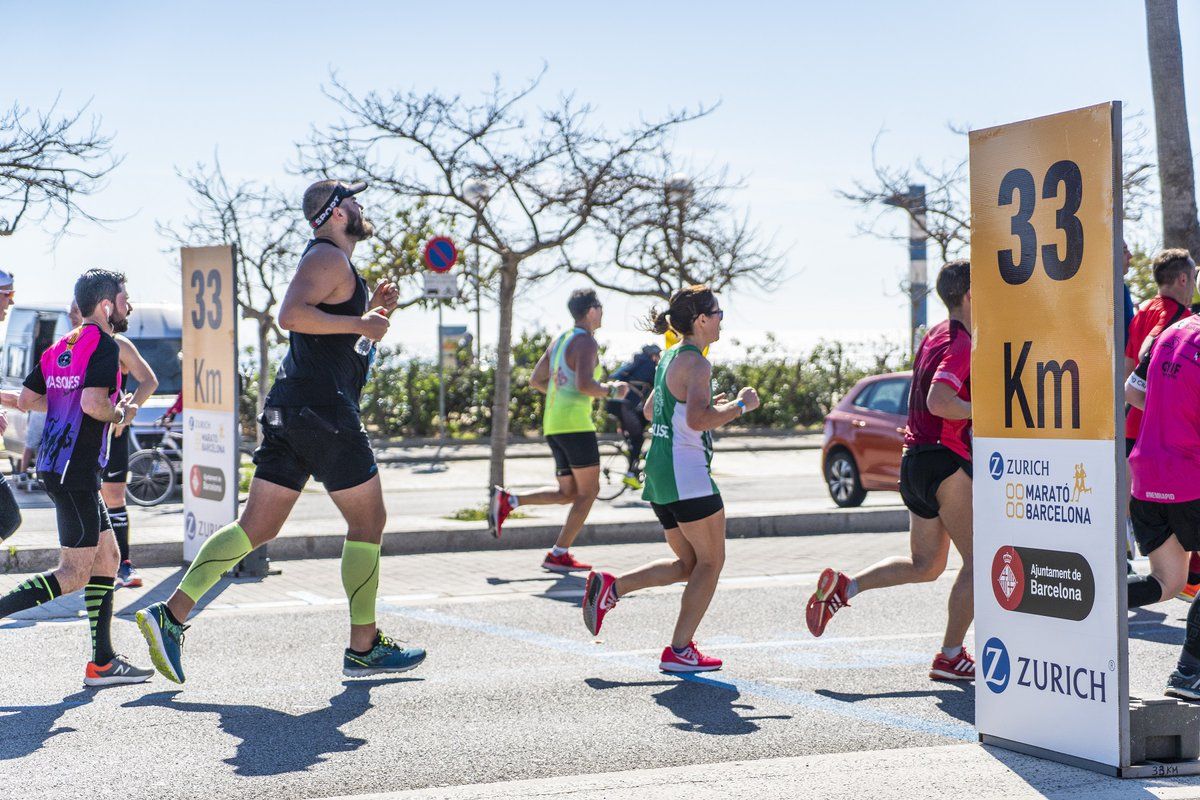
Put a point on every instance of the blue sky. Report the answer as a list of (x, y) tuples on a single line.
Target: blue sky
[(804, 89)]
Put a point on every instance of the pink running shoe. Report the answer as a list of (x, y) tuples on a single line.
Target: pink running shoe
[(690, 660), (499, 507), (826, 600), (599, 597), (564, 563), (956, 668)]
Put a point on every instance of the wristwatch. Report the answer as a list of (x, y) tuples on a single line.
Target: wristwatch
[(741, 404)]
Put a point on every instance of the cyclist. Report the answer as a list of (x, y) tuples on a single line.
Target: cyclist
[(639, 374)]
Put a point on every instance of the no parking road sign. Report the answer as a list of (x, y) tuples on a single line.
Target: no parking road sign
[(440, 254)]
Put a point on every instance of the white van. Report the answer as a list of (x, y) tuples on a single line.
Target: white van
[(154, 328)]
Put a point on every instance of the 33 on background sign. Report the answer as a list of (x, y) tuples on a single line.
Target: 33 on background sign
[(209, 306), (1043, 276)]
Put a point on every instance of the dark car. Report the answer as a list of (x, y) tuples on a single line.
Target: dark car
[(864, 435)]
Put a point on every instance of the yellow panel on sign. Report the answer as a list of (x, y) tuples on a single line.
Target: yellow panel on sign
[(1042, 276), (209, 329)]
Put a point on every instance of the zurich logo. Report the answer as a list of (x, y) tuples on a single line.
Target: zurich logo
[(189, 525), (996, 466), (996, 667)]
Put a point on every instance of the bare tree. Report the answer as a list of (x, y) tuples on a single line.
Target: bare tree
[(675, 230), (262, 225), (1176, 175), (395, 251), (947, 212), (549, 170), (48, 163)]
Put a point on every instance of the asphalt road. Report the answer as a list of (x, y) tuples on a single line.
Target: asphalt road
[(514, 687)]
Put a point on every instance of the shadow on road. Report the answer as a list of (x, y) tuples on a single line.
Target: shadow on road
[(955, 700), (705, 706), (565, 588), (28, 728), (276, 742), (1151, 625)]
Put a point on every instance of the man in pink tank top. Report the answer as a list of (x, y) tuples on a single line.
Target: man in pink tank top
[(1165, 481)]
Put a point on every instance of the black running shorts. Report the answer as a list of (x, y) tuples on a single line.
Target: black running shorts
[(693, 509), (922, 470), (117, 470), (574, 450), (328, 443), (1154, 523), (81, 514)]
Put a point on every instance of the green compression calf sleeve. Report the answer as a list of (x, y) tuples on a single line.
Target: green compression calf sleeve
[(360, 579), (221, 552)]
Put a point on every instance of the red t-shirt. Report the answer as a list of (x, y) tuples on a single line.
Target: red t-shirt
[(945, 357), (1155, 315)]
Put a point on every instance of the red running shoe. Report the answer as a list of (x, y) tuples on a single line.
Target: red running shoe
[(690, 660), (564, 563), (499, 507), (599, 597), (956, 668), (826, 600)]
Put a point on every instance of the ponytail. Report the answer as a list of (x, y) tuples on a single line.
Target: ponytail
[(685, 305)]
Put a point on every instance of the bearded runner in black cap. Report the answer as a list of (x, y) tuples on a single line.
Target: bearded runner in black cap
[(311, 428)]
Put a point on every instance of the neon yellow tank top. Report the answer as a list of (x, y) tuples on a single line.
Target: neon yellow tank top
[(567, 409)]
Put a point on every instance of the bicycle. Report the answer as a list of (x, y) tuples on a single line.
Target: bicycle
[(154, 471), (614, 464)]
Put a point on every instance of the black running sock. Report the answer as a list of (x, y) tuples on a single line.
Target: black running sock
[(98, 597), (1143, 590), (120, 526), (1191, 642), (33, 592)]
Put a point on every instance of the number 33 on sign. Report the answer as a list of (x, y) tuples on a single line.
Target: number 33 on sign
[(1044, 253)]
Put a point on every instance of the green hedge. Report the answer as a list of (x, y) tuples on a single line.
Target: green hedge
[(401, 396)]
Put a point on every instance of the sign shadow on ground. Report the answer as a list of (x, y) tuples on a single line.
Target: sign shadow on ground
[(955, 700)]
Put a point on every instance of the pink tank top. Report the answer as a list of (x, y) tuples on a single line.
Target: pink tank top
[(1165, 464)]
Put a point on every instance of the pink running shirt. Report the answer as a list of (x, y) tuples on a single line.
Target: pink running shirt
[(1165, 463)]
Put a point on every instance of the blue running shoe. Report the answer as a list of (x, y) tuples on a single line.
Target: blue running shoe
[(165, 639), (385, 656), (1184, 683)]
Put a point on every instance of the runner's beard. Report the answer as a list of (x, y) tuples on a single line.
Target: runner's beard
[(119, 325), (359, 228)]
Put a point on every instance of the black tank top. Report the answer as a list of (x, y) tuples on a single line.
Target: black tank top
[(324, 369)]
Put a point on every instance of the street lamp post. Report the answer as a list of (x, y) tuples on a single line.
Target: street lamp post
[(476, 192), (679, 191), (913, 201)]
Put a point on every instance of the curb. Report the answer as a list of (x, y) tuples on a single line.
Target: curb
[(516, 537)]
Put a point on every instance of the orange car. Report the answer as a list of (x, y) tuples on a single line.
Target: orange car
[(864, 435)]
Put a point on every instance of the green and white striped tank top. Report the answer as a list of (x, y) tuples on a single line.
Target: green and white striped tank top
[(678, 466)]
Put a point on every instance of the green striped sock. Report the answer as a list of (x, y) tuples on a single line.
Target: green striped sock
[(32, 592), (98, 597)]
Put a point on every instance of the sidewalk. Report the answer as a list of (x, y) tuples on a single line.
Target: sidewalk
[(902, 774)]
